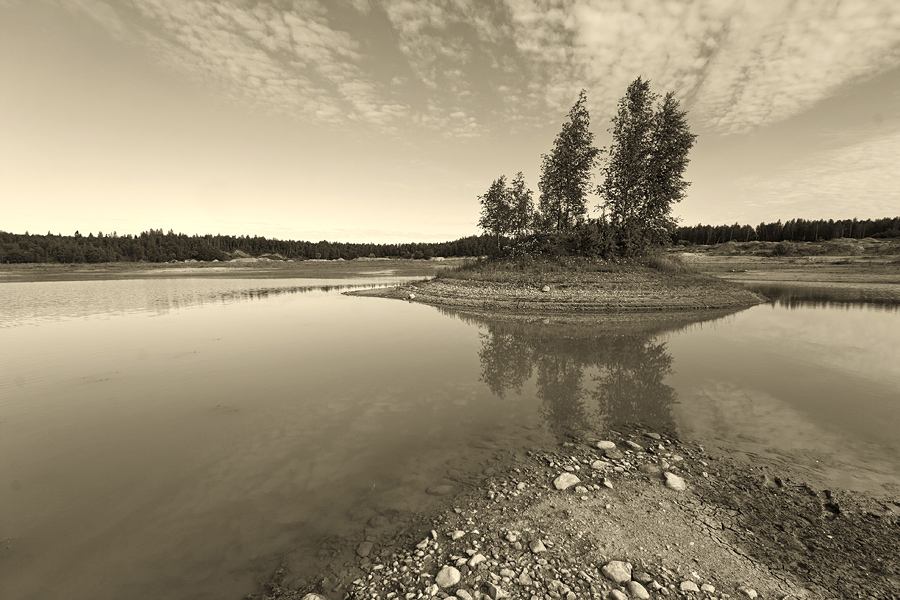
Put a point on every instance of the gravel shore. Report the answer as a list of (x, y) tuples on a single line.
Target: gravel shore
[(636, 515)]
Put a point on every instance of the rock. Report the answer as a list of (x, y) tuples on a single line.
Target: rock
[(709, 589), (546, 288), (439, 490), (565, 480), (688, 586), (314, 597), (455, 535), (581, 489), (494, 591), (650, 469), (447, 577), (607, 483), (511, 537), (525, 579), (600, 464), (378, 521), (636, 590), (675, 482), (507, 573), (538, 546), (463, 595), (617, 595), (634, 446), (614, 454), (521, 486), (476, 560), (642, 576), (653, 436), (411, 297), (748, 591), (617, 571), (605, 445), (364, 549)]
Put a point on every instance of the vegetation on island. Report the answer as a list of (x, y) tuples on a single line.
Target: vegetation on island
[(642, 178)]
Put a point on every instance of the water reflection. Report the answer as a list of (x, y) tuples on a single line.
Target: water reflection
[(590, 373), (31, 303), (875, 297)]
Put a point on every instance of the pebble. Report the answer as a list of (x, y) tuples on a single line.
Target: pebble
[(538, 546), (448, 576), (636, 590), (476, 560), (617, 571), (565, 480), (688, 586), (675, 482), (364, 549), (546, 288)]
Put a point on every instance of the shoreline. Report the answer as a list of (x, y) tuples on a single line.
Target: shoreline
[(648, 517)]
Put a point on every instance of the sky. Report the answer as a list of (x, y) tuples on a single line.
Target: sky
[(384, 120)]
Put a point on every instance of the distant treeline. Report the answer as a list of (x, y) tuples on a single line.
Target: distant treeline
[(156, 246), (795, 230)]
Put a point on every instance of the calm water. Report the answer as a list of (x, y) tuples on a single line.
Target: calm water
[(176, 438)]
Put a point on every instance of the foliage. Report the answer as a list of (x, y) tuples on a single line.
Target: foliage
[(567, 171), (643, 173), (156, 246), (506, 209), (795, 230)]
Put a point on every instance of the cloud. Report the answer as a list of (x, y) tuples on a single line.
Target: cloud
[(857, 180), (736, 64)]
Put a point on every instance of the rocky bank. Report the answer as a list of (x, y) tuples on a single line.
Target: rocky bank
[(636, 515)]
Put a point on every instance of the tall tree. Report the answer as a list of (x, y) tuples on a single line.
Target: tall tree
[(567, 171), (643, 172), (521, 206), (495, 209)]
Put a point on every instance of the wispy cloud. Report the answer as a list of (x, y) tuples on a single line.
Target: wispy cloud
[(737, 64), (858, 180)]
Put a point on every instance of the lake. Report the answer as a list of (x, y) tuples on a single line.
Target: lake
[(180, 437)]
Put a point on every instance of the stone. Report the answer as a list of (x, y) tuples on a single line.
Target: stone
[(650, 469), (525, 579), (455, 535), (546, 288), (605, 445), (642, 576), (507, 573), (463, 595), (617, 571), (748, 591), (411, 297), (447, 577), (634, 446), (617, 595), (476, 560), (675, 482), (521, 486), (378, 521), (494, 591), (511, 536), (314, 597), (439, 490), (600, 464), (653, 436), (688, 586), (709, 589), (538, 546), (636, 590), (581, 490), (566, 480), (364, 549), (614, 454)]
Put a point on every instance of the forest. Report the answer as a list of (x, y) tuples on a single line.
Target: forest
[(156, 246), (795, 230)]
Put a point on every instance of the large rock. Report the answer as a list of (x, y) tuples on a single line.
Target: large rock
[(636, 590), (617, 570), (688, 586), (364, 549), (675, 482), (447, 577), (566, 480), (605, 445)]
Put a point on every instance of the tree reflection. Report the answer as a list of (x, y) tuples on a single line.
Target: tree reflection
[(592, 373)]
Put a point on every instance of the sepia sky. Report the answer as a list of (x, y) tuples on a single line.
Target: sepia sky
[(383, 120)]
